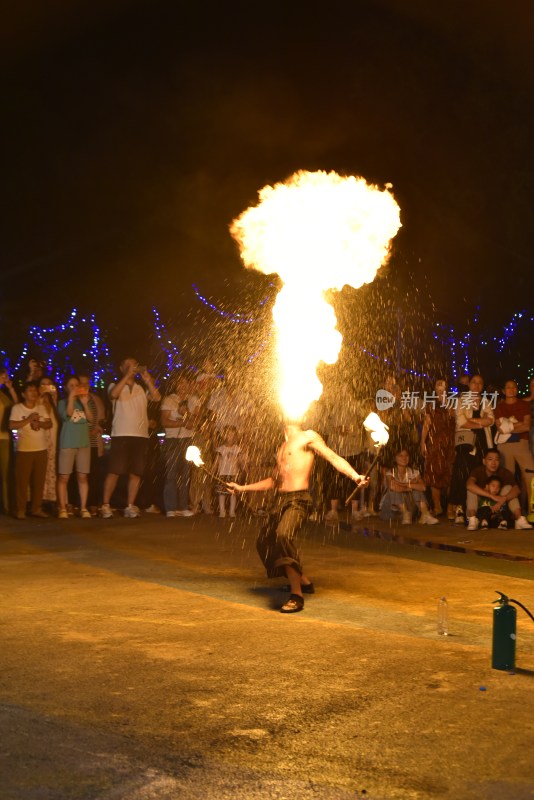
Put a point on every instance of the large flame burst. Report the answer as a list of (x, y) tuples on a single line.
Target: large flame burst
[(317, 231)]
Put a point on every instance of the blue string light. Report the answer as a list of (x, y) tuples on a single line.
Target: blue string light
[(172, 353), (230, 315), (61, 346)]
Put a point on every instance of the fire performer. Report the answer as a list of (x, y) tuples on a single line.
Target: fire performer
[(291, 507)]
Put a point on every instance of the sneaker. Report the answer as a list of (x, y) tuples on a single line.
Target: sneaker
[(62, 514), (222, 514), (459, 519), (169, 514), (406, 518), (232, 516), (357, 516), (131, 512), (105, 511), (473, 524), (503, 525), (484, 523), (85, 514), (185, 513), (428, 519), (332, 516), (152, 509), (522, 524)]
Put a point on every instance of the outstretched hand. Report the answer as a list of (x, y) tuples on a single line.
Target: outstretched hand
[(234, 487)]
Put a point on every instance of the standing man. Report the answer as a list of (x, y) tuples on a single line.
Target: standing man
[(129, 433), (291, 507), (512, 417)]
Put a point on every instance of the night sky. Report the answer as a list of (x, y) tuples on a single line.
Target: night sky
[(134, 134)]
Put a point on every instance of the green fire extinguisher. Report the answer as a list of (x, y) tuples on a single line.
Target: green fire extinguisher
[(504, 632)]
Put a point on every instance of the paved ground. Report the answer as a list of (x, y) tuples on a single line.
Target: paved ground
[(147, 659)]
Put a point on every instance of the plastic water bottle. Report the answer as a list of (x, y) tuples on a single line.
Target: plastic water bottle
[(443, 617)]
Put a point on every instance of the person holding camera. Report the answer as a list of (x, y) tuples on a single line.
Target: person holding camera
[(74, 445), (129, 433), (31, 421)]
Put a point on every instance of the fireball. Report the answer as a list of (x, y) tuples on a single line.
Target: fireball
[(317, 231)]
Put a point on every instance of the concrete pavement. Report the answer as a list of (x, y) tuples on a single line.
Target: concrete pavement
[(147, 659)]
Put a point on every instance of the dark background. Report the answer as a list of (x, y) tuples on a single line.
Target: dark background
[(134, 133)]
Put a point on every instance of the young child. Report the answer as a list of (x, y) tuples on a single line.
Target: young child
[(229, 460), (488, 516), (404, 489)]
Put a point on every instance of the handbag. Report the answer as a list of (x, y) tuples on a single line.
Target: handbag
[(464, 437)]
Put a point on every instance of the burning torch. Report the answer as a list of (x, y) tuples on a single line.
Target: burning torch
[(192, 454), (380, 436)]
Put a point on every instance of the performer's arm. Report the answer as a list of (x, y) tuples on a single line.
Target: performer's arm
[(318, 444), (259, 486)]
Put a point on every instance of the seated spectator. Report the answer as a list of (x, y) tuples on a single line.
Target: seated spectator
[(509, 493), (491, 513), (8, 397), (31, 421), (74, 446), (404, 490), (512, 417), (474, 418)]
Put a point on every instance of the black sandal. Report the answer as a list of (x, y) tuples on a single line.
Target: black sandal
[(295, 603)]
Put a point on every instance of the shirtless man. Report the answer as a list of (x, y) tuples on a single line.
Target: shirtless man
[(291, 507)]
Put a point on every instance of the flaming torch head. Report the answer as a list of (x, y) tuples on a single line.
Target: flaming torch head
[(317, 231), (377, 429), (193, 454)]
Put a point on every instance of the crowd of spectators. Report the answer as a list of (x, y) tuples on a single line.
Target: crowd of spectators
[(464, 453)]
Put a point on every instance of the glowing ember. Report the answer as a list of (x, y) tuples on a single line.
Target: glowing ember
[(317, 231), (193, 454), (377, 429)]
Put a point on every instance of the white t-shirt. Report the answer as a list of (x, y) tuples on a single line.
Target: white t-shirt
[(28, 440), (229, 459), (172, 403), (130, 416), (412, 475)]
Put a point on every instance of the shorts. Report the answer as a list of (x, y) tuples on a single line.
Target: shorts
[(128, 455), (69, 456)]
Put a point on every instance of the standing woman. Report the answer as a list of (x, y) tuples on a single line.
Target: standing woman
[(530, 399), (74, 445), (437, 447), (474, 418), (48, 395), (8, 398)]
